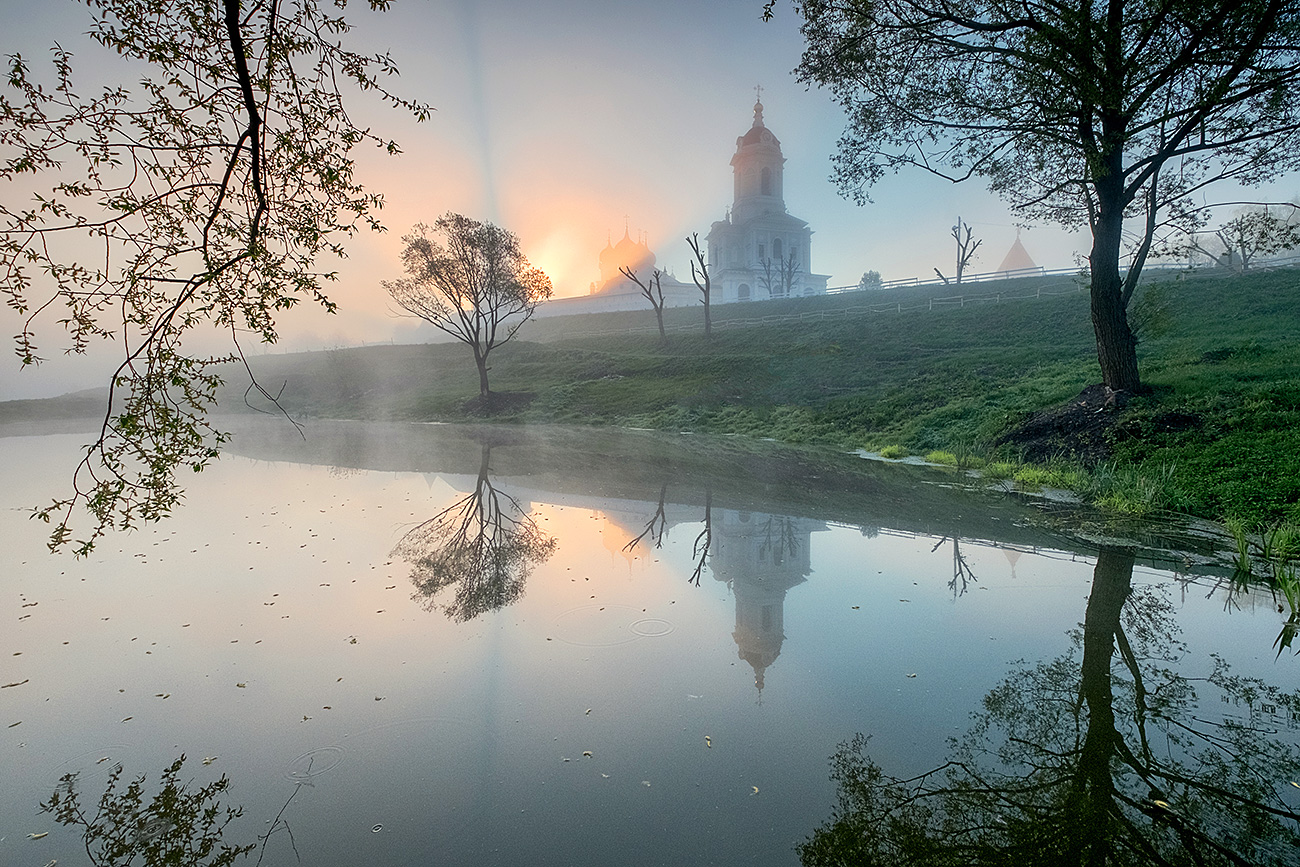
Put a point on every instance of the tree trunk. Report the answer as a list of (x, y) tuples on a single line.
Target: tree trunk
[(1116, 346), (1093, 796), (481, 360), (663, 335)]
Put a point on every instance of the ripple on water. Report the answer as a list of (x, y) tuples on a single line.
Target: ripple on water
[(607, 625), (651, 627), (313, 763)]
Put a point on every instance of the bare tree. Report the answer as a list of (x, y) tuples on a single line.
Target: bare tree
[(469, 279), (700, 274), (770, 278), (653, 292), (966, 247), (789, 273), (484, 545)]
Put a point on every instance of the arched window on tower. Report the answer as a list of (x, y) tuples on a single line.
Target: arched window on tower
[(742, 292), (767, 181), (776, 249)]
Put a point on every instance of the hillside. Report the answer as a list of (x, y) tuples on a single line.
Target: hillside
[(1218, 436)]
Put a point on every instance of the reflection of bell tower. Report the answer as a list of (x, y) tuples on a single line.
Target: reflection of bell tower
[(761, 557)]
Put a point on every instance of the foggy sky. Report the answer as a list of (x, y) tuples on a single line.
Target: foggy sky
[(565, 120)]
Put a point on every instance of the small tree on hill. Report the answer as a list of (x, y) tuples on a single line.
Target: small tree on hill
[(871, 280), (653, 292), (700, 274), (1252, 233), (470, 280)]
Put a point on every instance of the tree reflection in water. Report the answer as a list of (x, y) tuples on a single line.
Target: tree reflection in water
[(656, 530), (483, 547), (178, 825), (1101, 760)]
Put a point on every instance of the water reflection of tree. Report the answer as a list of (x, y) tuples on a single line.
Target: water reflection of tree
[(1098, 760), (962, 575), (779, 539), (483, 546), (178, 825), (656, 530)]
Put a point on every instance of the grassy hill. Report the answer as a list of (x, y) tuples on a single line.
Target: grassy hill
[(902, 370)]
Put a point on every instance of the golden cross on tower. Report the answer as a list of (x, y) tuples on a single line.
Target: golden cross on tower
[(758, 93)]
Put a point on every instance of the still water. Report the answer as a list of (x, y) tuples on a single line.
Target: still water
[(420, 644)]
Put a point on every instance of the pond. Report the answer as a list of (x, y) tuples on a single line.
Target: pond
[(427, 644)]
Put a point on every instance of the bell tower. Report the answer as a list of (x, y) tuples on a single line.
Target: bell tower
[(758, 170)]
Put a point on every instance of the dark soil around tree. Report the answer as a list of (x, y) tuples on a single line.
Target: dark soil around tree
[(498, 403), (1082, 429)]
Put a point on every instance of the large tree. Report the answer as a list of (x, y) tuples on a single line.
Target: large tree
[(469, 279), (200, 200), (1110, 114)]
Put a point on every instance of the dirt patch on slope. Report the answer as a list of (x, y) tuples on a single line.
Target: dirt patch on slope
[(1081, 429)]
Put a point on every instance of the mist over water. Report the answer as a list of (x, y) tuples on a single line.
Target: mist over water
[(576, 697)]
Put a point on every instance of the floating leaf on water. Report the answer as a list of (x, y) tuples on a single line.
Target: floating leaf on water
[(606, 776), (1294, 783), (856, 607), (209, 760), (905, 600), (1159, 803), (563, 759), (379, 698), (11, 725), (913, 674), (242, 685), (38, 836), (327, 707), (101, 760), (708, 742), (587, 712), (128, 719), (19, 683), (376, 829), (587, 754), (645, 782)]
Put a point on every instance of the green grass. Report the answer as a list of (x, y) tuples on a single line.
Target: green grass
[(1218, 436)]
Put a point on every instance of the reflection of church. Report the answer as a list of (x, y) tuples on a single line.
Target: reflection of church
[(761, 557)]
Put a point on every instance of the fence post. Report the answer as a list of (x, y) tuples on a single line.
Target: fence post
[(900, 306), (931, 305)]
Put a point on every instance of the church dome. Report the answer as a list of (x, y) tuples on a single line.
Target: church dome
[(758, 133), (635, 256)]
